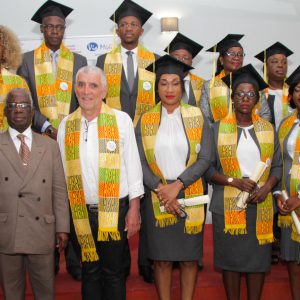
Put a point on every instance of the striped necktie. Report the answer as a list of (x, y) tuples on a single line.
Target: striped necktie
[(24, 150)]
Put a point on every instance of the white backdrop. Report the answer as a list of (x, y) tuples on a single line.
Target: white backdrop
[(206, 21)]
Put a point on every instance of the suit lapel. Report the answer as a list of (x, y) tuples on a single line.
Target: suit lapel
[(192, 99), (36, 154), (10, 152)]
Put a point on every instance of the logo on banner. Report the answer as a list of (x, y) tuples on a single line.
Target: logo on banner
[(92, 46)]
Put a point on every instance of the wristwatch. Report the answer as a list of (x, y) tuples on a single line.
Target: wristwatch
[(49, 130), (229, 180)]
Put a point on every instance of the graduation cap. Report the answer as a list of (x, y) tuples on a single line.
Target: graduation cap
[(130, 8), (276, 48), (230, 40), (51, 8), (169, 65), (294, 77), (246, 74), (182, 42)]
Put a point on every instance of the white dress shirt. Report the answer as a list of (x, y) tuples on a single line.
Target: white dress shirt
[(187, 81), (28, 137), (131, 177), (247, 152), (134, 58), (171, 147)]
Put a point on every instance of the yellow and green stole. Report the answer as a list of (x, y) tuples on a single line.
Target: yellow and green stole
[(193, 124), (113, 70), (218, 101), (286, 126), (197, 83), (54, 94), (109, 180), (8, 81), (235, 219), (284, 100)]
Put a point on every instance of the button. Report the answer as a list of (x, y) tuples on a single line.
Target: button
[(37, 218), (20, 195), (6, 178), (44, 180), (38, 199)]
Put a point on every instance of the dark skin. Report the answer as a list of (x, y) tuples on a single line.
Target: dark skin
[(277, 66), (231, 64), (129, 31), (20, 119), (243, 110), (184, 56), (286, 207), (53, 39)]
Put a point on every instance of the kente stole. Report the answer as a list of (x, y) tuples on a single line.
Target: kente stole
[(219, 98), (197, 83), (235, 219), (284, 100), (113, 69), (193, 124), (286, 126), (8, 81), (54, 94), (109, 181)]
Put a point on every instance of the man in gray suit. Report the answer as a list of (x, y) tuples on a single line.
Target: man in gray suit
[(55, 98), (34, 208), (135, 93), (53, 91)]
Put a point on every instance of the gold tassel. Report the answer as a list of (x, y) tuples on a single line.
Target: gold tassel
[(230, 93), (236, 231), (166, 222), (265, 66), (193, 229), (212, 82), (114, 33), (105, 236), (89, 255)]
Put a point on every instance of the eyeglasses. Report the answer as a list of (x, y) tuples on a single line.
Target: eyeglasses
[(183, 59), (51, 27), (127, 25), (233, 54), (21, 106), (249, 95)]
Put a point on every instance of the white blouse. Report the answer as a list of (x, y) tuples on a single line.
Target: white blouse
[(171, 147), (247, 152)]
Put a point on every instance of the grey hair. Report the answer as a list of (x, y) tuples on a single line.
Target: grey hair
[(11, 94), (95, 70)]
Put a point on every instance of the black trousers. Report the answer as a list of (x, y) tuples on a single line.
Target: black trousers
[(104, 279)]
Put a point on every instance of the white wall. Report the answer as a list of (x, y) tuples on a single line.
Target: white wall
[(206, 21)]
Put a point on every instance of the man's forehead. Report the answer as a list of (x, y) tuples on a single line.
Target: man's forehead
[(18, 96), (89, 78)]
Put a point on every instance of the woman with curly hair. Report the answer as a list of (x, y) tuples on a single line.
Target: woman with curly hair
[(10, 59)]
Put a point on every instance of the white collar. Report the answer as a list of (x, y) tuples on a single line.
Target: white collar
[(123, 50), (14, 133)]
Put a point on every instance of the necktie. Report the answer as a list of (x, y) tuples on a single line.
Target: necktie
[(24, 150), (130, 70), (185, 96), (54, 56)]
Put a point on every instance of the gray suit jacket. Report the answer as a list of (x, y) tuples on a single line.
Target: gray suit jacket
[(127, 97), (26, 70), (191, 174), (34, 202), (217, 202), (264, 111)]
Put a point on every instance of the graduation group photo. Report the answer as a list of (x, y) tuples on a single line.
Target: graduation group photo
[(149, 150)]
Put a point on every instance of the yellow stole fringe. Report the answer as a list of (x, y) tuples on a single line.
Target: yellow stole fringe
[(109, 181), (286, 126), (193, 124), (8, 81), (54, 95), (197, 83), (146, 83), (235, 219)]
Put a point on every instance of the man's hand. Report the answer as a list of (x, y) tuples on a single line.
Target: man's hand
[(133, 218), (61, 241)]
